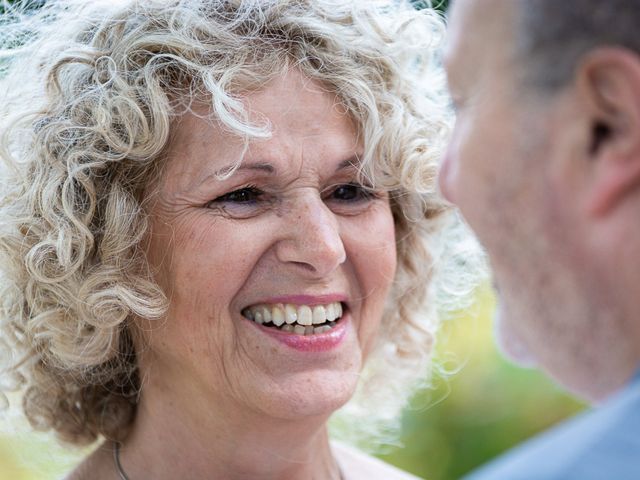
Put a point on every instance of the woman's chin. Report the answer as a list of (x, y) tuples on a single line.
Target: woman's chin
[(308, 395), (303, 377)]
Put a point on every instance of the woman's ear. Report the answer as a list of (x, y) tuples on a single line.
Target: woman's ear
[(609, 80)]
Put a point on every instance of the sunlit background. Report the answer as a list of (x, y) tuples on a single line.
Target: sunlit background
[(482, 407)]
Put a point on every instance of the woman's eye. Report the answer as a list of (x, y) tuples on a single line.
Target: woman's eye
[(351, 198), (242, 195), (352, 192), (242, 203)]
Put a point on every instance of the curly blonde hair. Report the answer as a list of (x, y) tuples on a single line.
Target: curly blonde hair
[(93, 89)]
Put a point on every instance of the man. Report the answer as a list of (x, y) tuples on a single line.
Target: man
[(545, 165)]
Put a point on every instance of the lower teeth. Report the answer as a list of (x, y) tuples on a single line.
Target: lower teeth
[(302, 329)]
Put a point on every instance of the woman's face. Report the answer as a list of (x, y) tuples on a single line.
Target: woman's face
[(290, 235)]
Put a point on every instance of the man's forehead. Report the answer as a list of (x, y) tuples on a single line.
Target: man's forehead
[(476, 7), (478, 25)]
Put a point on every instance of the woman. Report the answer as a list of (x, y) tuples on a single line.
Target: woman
[(216, 212)]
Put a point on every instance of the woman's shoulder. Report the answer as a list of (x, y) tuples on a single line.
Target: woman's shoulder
[(357, 465)]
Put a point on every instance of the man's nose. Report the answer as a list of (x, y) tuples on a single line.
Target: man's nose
[(312, 239)]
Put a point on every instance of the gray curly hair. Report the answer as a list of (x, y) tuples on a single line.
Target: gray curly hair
[(91, 92)]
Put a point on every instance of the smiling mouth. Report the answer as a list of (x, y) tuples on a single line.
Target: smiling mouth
[(298, 319)]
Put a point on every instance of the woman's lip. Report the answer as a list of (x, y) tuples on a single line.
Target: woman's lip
[(310, 300), (320, 342)]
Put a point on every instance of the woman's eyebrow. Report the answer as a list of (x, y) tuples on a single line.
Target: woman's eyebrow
[(259, 166), (352, 162), (224, 171)]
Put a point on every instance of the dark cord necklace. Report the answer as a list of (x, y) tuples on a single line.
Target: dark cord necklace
[(116, 461)]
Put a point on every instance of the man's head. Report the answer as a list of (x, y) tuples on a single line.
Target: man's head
[(545, 165)]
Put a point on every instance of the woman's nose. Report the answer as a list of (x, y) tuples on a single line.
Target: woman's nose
[(312, 238)]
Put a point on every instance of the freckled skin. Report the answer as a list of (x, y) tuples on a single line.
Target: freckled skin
[(215, 257)]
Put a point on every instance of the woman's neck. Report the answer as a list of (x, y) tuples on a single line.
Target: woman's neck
[(171, 440)]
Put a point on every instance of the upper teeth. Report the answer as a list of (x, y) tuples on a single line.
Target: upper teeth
[(280, 313)]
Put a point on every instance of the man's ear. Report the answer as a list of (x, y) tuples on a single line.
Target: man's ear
[(609, 79)]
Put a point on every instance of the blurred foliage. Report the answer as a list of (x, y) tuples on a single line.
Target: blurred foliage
[(484, 406), (27, 4), (438, 4), (481, 407)]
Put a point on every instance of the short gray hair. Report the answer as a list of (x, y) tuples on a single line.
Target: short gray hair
[(553, 36)]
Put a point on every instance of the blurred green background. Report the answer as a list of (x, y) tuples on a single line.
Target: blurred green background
[(483, 407)]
